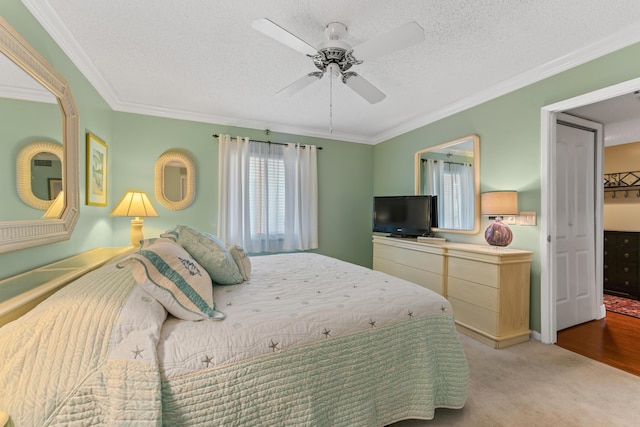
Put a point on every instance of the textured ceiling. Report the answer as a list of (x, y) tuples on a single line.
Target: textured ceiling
[(201, 60)]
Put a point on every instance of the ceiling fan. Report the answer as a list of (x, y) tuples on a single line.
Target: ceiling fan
[(336, 57)]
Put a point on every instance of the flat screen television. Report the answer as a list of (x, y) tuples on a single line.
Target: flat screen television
[(404, 216)]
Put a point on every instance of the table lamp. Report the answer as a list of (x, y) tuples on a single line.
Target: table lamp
[(138, 205), (499, 203)]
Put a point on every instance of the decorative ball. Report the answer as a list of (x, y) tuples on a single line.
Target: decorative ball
[(498, 234)]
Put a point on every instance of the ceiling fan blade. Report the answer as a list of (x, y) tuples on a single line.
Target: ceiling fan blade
[(300, 84), (362, 87), (278, 33), (400, 38)]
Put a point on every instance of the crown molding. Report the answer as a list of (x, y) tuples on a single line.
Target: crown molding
[(169, 113), (621, 39), (26, 94), (52, 23)]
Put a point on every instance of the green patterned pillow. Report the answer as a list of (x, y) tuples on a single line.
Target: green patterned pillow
[(210, 252), (171, 275), (242, 260)]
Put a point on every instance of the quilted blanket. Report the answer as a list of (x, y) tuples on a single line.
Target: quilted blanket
[(308, 340)]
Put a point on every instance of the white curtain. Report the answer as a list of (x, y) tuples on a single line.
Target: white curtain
[(267, 196), (453, 184), (433, 184)]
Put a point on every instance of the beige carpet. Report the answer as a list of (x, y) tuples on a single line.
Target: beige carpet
[(534, 384)]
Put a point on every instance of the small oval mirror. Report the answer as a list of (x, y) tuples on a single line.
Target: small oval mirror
[(175, 181), (39, 173)]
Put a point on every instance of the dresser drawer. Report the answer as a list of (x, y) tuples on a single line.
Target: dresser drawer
[(473, 293), (627, 255), (474, 271), (426, 279), (474, 316), (628, 241), (413, 258)]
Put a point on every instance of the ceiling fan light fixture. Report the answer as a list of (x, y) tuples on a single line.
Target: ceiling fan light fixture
[(333, 69), (335, 31)]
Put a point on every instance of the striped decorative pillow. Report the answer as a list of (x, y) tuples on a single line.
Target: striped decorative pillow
[(170, 274)]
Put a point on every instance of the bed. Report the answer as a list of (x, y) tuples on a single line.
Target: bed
[(307, 340)]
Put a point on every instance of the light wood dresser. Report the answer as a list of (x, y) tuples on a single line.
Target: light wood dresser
[(487, 287)]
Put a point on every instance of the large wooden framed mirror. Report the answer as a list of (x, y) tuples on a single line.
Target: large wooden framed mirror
[(451, 171), (18, 56)]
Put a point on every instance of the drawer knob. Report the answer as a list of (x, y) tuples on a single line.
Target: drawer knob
[(626, 283), (626, 255), (626, 269), (626, 241)]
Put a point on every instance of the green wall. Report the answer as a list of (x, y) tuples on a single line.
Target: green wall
[(344, 180), (509, 131)]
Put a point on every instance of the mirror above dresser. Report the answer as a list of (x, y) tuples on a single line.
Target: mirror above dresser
[(451, 171), (31, 86)]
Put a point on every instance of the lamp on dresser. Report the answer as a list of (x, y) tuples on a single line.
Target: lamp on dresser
[(135, 204), (497, 204)]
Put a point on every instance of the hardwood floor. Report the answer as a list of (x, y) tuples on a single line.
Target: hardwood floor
[(614, 340)]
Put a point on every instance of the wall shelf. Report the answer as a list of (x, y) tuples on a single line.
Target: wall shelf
[(626, 182)]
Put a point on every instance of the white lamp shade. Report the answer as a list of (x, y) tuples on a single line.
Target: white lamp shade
[(134, 203), (499, 203)]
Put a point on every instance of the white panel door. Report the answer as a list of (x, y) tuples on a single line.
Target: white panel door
[(575, 232)]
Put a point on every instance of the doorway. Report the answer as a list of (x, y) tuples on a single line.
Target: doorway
[(576, 236), (548, 285)]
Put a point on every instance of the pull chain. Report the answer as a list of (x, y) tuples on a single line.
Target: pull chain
[(331, 101)]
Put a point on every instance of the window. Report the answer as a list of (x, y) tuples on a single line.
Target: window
[(268, 195)]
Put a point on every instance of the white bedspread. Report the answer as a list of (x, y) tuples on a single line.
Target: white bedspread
[(308, 341), (292, 300)]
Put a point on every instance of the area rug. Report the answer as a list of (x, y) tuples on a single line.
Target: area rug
[(619, 305)]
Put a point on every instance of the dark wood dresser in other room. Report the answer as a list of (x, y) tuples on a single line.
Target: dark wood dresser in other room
[(622, 263)]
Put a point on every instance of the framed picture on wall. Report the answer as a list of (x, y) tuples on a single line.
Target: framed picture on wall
[(97, 171)]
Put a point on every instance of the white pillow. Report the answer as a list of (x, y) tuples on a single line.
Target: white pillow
[(170, 274)]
